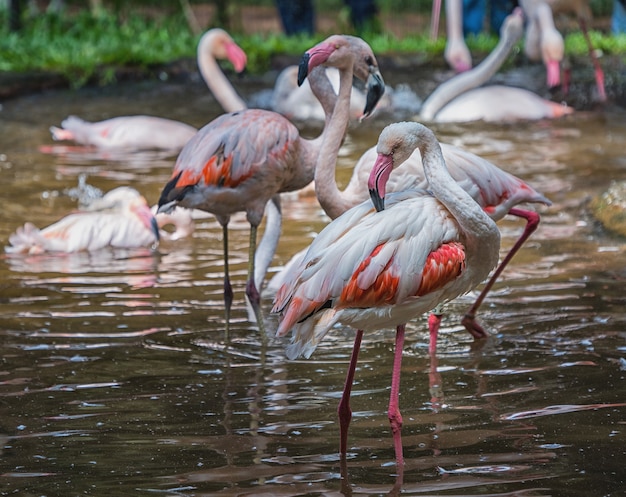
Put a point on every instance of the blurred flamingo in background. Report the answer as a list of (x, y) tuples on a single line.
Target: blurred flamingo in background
[(371, 269), (120, 219), (545, 42), (240, 161), (134, 133), (456, 53), (460, 99)]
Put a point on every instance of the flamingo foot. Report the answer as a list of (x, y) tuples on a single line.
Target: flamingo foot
[(472, 326)]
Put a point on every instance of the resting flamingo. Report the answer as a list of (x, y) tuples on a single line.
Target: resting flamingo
[(371, 269), (120, 219), (239, 161), (134, 133), (460, 99)]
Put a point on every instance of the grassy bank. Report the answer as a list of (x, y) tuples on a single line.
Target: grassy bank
[(82, 47)]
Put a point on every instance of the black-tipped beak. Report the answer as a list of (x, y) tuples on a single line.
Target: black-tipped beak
[(379, 203), (375, 90), (303, 68), (155, 229)]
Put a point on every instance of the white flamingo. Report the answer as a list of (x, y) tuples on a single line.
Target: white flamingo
[(371, 269), (120, 219), (134, 133)]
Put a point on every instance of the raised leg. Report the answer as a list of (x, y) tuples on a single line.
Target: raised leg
[(469, 320), (251, 289), (395, 418), (344, 411), (228, 289)]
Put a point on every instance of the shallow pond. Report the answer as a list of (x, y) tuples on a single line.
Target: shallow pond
[(117, 377)]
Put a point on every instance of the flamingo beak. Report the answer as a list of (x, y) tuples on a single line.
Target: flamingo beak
[(236, 56), (154, 225), (375, 90), (377, 182), (312, 58)]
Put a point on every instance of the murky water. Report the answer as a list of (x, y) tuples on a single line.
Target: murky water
[(117, 378)]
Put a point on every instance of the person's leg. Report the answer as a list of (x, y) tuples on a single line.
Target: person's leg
[(499, 10), (364, 15), (618, 19), (297, 16), (473, 16)]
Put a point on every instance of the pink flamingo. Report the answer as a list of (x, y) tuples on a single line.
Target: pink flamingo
[(495, 190), (133, 133), (239, 161), (121, 219), (371, 269), (460, 99)]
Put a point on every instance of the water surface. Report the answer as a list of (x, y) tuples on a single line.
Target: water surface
[(117, 377)]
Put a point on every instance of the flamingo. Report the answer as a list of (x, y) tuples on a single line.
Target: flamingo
[(456, 52), (582, 9), (241, 160), (121, 219), (134, 133), (460, 100), (370, 269), (543, 41), (495, 190)]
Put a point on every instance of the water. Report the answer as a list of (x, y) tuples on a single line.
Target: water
[(117, 377)]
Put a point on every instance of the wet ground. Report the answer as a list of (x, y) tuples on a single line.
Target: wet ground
[(117, 377)]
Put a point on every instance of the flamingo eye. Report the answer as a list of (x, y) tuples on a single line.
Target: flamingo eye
[(369, 61)]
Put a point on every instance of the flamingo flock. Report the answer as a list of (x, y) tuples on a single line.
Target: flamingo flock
[(414, 228)]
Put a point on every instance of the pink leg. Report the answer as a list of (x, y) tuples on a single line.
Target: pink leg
[(594, 60), (434, 322), (395, 419), (434, 20), (434, 383), (469, 320), (344, 411)]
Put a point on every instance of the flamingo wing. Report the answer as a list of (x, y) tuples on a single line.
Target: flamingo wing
[(366, 259), (253, 145)]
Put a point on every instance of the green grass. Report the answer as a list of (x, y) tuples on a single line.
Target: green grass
[(85, 48)]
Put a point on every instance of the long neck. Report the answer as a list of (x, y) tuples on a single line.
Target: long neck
[(463, 82), (215, 79), (326, 189), (465, 210)]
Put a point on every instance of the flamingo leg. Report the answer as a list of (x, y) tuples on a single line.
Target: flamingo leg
[(435, 383), (395, 418), (434, 20), (434, 322), (251, 289), (469, 320), (343, 410), (599, 73), (228, 289)]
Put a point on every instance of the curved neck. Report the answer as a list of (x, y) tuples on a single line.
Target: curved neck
[(473, 78), (461, 205), (326, 189), (215, 79)]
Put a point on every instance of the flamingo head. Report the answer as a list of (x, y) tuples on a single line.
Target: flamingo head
[(219, 44), (343, 52)]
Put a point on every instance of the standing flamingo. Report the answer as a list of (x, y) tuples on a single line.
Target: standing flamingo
[(495, 190), (133, 133), (371, 269), (239, 161), (121, 219)]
